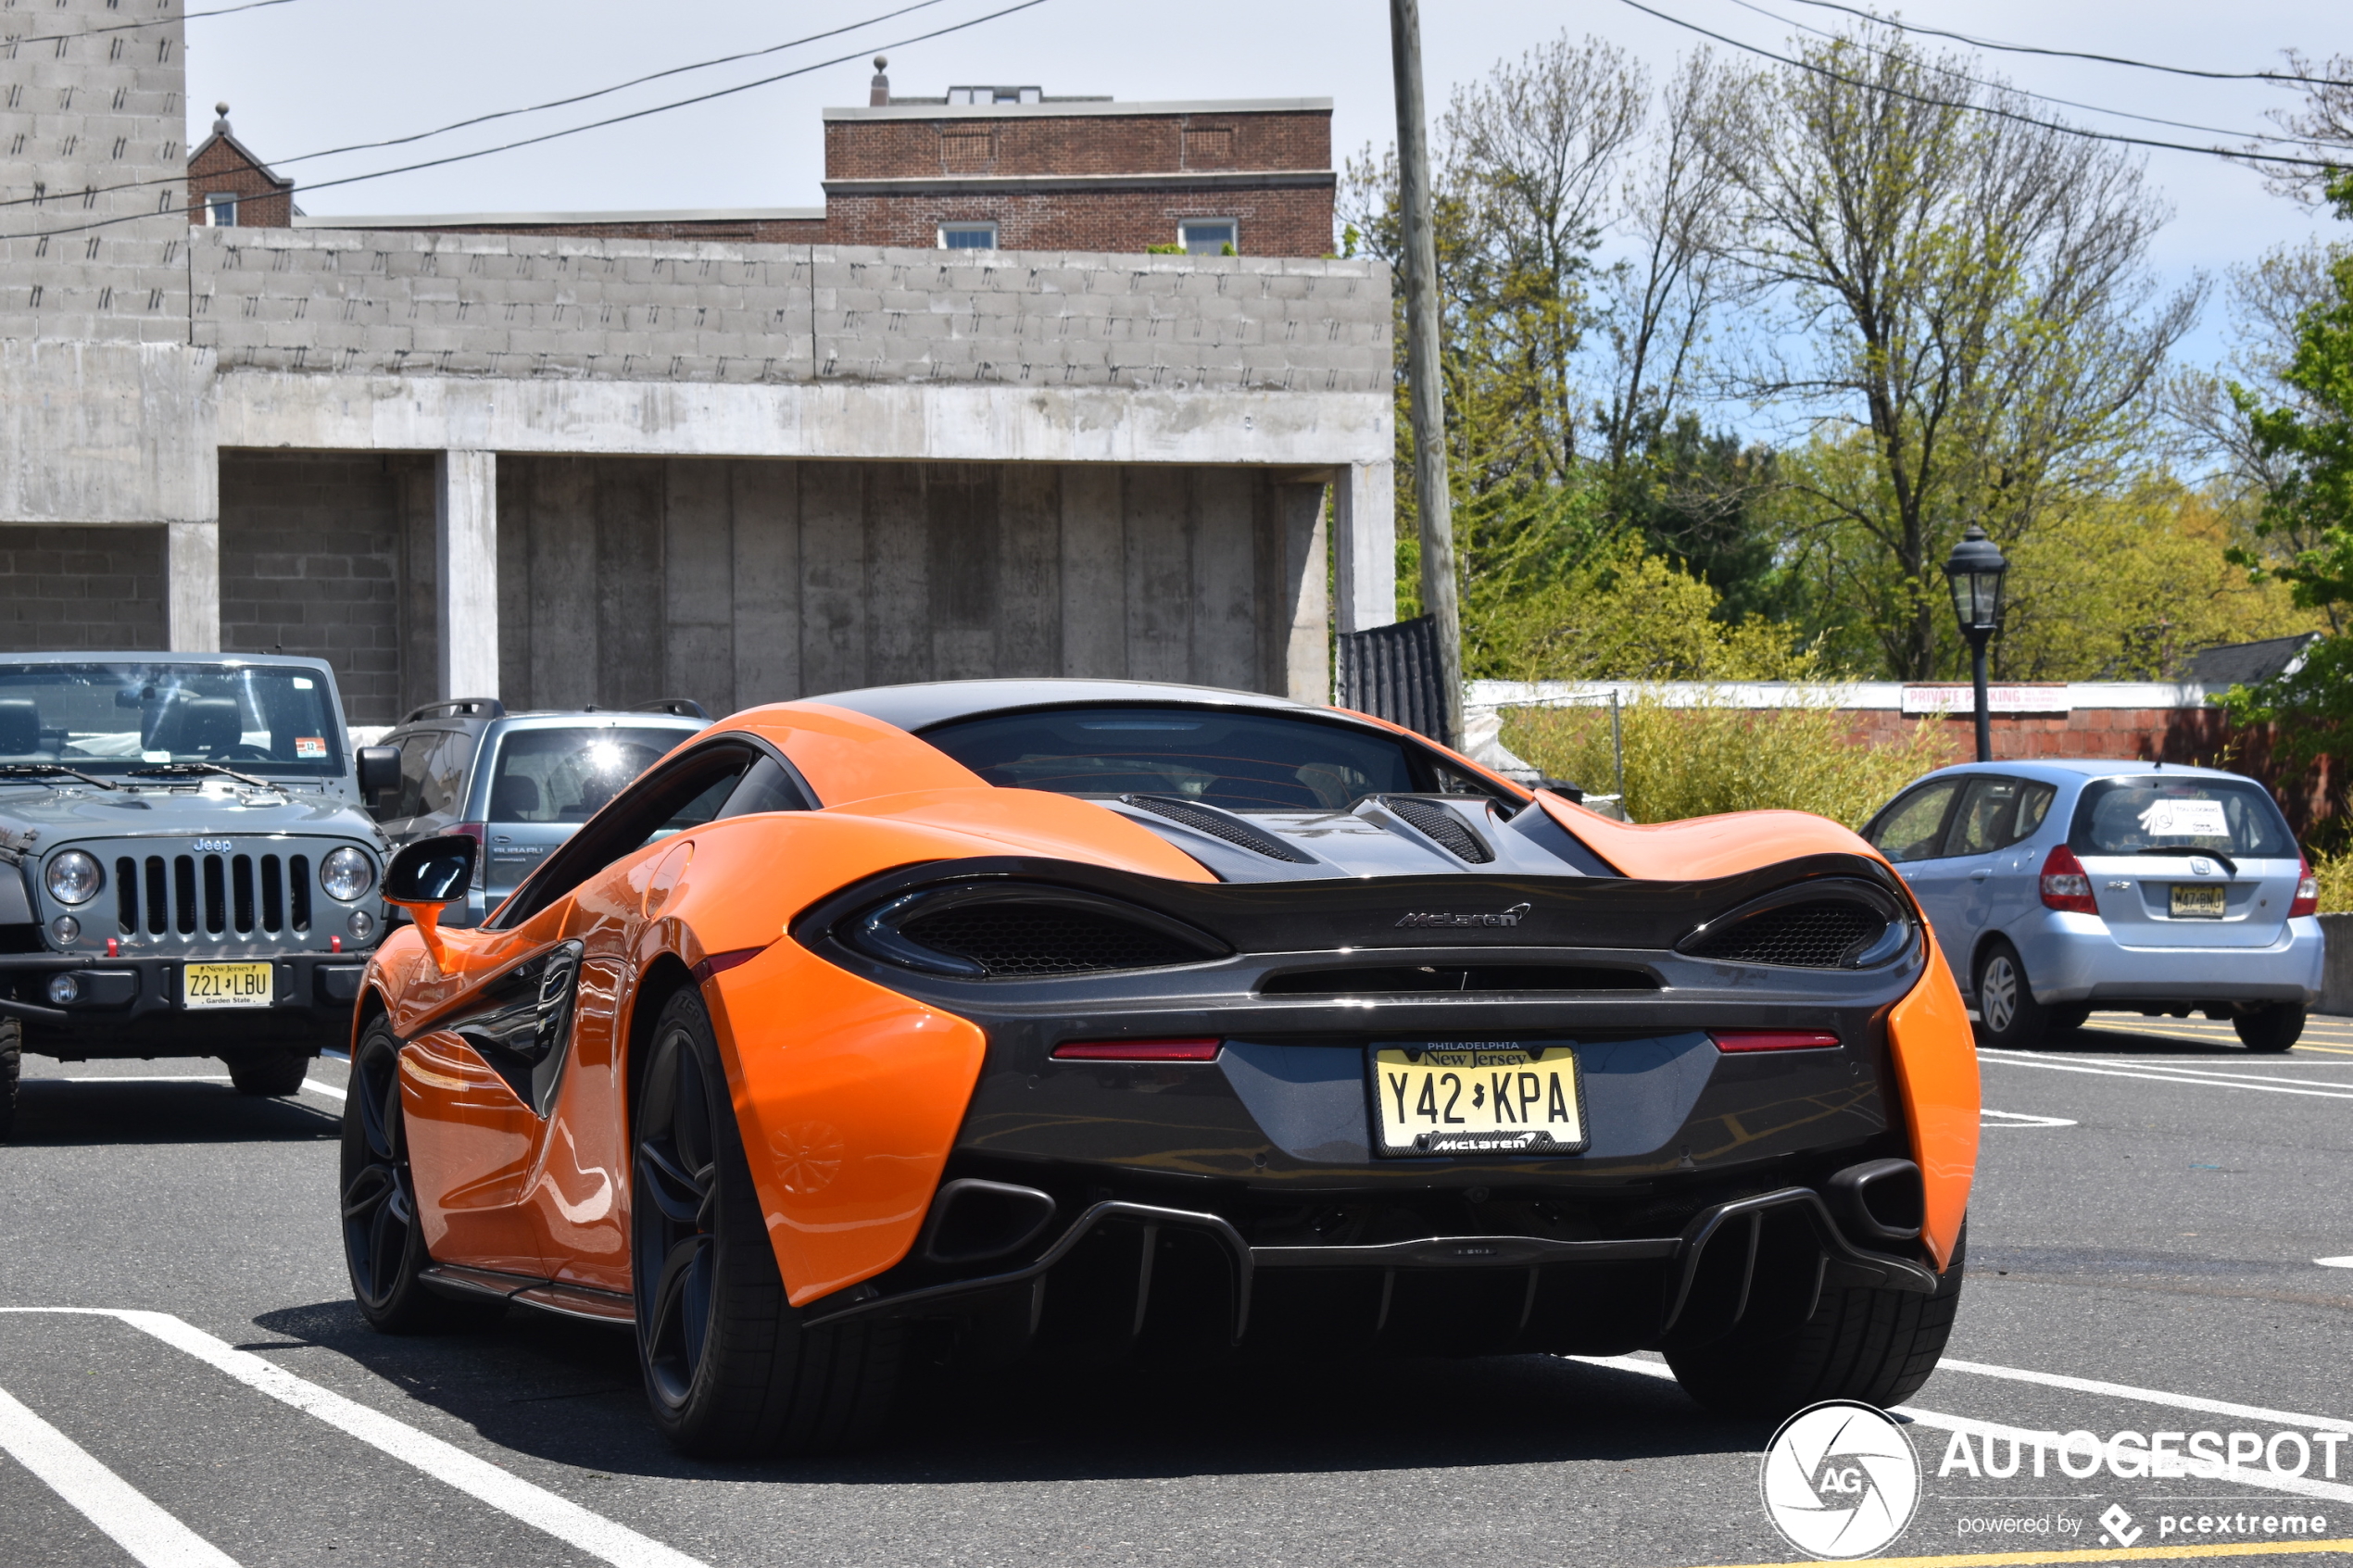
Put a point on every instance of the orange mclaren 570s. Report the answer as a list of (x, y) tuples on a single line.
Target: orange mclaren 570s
[(994, 1018)]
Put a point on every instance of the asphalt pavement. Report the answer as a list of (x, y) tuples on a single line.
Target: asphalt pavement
[(2161, 1247)]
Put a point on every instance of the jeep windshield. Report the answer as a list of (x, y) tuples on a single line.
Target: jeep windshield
[(269, 721)]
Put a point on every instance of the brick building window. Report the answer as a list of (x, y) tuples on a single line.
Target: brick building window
[(962, 150), (220, 209), (1210, 236), (1211, 147), (968, 236)]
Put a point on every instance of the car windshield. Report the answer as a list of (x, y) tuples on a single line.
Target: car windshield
[(105, 719), (564, 775), (1241, 761), (2168, 811)]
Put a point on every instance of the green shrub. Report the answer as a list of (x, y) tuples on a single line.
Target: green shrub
[(1700, 761), (2335, 874)]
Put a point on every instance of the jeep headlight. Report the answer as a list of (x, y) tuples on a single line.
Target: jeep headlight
[(74, 878), (346, 874)]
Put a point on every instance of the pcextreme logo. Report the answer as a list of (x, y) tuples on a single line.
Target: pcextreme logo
[(1840, 1480)]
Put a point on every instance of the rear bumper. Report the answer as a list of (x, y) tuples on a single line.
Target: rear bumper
[(132, 1006), (2079, 958)]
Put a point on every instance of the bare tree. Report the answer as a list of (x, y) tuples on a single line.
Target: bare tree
[(2324, 125)]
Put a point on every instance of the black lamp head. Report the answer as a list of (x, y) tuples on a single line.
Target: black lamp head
[(1975, 570)]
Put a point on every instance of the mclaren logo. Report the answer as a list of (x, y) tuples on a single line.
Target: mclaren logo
[(1512, 916)]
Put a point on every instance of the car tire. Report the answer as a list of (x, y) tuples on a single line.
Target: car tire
[(272, 1073), (1873, 1346), (2008, 1015), (12, 1066), (2273, 1028), (384, 1242), (730, 1373), (2067, 1020)]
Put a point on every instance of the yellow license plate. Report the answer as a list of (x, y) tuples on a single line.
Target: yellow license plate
[(1467, 1098), (227, 986), (2196, 901)]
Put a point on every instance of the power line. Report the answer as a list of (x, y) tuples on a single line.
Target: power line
[(506, 114), (2064, 129), (2043, 97), (571, 131), (2079, 55), (133, 27)]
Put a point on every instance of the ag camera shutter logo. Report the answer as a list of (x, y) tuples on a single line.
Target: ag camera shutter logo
[(1840, 1480)]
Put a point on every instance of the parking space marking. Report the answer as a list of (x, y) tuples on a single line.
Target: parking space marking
[(2265, 1480), (2231, 1074), (478, 1478), (314, 1084), (2019, 1119), (317, 1087), (151, 1536), (2149, 1396), (2335, 1262), (2210, 1081)]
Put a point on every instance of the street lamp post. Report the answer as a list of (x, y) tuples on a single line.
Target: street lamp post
[(1975, 570)]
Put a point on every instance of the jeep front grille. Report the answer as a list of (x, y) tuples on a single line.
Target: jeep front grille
[(226, 895)]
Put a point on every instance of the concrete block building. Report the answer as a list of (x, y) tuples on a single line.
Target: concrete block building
[(570, 467)]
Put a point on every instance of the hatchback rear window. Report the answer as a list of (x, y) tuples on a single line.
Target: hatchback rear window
[(1242, 761), (2160, 812), (564, 775)]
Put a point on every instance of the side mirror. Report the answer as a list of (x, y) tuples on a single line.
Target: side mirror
[(432, 871), (379, 769), (428, 875)]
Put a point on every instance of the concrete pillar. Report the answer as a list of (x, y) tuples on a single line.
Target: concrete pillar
[(466, 581), (1364, 521), (192, 594), (1307, 653)]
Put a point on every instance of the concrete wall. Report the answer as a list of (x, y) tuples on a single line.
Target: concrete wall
[(99, 588), (738, 583)]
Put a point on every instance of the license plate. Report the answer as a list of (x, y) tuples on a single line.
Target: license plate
[(227, 986), (2198, 901), (1468, 1097)]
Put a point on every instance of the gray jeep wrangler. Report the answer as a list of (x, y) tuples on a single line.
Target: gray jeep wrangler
[(186, 864)]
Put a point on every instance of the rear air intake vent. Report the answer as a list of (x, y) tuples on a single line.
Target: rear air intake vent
[(1453, 833), (1218, 825), (1411, 979), (1811, 934), (998, 933)]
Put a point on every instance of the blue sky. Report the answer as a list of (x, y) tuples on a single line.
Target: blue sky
[(319, 73)]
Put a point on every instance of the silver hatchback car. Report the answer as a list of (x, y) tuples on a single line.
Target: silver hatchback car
[(2058, 887)]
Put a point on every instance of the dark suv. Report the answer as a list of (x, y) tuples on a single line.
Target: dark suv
[(519, 784)]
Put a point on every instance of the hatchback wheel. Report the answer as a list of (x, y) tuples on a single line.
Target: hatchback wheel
[(2008, 1014), (2270, 1028)]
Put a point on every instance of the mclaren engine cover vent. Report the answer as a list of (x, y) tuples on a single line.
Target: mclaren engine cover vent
[(1441, 824), (1217, 824)]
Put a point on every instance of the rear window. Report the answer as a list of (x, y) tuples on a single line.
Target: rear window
[(2162, 812), (564, 775), (1241, 761)]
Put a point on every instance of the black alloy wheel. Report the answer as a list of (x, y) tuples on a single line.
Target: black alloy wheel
[(2008, 1015), (384, 1246), (729, 1370)]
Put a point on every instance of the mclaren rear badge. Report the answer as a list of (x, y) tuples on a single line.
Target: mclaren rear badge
[(1512, 916)]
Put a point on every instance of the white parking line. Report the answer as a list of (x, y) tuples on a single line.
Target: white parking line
[(2199, 1080), (478, 1478), (2019, 1119), (2266, 1479), (154, 1537), (314, 1084), (317, 1087), (2148, 1395)]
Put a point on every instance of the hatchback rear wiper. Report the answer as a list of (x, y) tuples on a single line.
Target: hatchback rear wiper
[(28, 771), (2228, 864), (201, 770)]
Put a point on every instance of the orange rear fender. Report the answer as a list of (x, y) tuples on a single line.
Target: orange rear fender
[(1935, 1055)]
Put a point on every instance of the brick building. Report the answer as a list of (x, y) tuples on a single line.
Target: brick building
[(977, 167), (569, 459)]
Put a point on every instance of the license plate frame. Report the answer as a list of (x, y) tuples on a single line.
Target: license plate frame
[(2204, 900), (209, 987), (1546, 1099)]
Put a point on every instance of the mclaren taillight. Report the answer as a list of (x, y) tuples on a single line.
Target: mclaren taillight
[(2307, 890), (2065, 885), (1137, 1050), (1773, 1039)]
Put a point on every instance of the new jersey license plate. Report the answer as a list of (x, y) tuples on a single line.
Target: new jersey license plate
[(226, 986), (1474, 1098), (2198, 901)]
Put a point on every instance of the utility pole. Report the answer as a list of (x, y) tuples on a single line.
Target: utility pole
[(1433, 501)]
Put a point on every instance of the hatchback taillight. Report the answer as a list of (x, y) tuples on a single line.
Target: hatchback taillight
[(2307, 890), (2065, 885), (480, 833)]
